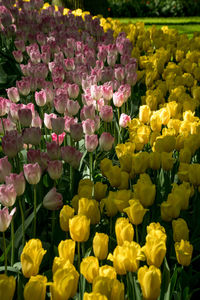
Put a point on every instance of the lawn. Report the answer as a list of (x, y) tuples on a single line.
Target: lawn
[(184, 25)]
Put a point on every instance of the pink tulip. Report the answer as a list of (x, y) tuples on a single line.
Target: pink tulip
[(53, 150), (55, 169), (12, 143), (13, 94), (58, 125), (72, 107), (18, 56), (76, 131), (71, 156), (6, 218), (118, 99), (88, 126), (32, 173), (53, 200), (73, 91), (96, 92), (40, 98), (106, 141), (107, 92), (7, 194), (25, 117), (18, 182), (106, 113), (47, 119), (124, 120), (91, 142), (32, 136), (5, 168)]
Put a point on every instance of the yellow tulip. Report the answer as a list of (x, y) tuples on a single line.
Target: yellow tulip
[(113, 289), (180, 230), (7, 287), (66, 213), (154, 160), (100, 190), (66, 250), (89, 208), (183, 252), (126, 258), (79, 228), (35, 288), (167, 161), (89, 268), (135, 211), (150, 282), (94, 296), (124, 231), (65, 283), (194, 174), (154, 249), (105, 166), (107, 271), (100, 245), (31, 257)]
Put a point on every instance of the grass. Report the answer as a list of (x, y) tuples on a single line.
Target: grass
[(187, 25)]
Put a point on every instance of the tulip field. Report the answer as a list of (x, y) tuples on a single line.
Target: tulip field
[(99, 157)]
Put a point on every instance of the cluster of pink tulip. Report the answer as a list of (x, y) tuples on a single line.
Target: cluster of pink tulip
[(72, 97)]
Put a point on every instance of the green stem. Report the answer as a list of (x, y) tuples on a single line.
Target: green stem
[(35, 206), (23, 227), (12, 242), (137, 236), (5, 253), (91, 164)]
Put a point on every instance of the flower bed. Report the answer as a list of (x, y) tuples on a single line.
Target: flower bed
[(99, 166)]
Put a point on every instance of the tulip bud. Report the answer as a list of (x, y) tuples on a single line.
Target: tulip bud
[(94, 296), (91, 142), (18, 181), (66, 250), (106, 113), (66, 213), (79, 228), (88, 126), (7, 194), (5, 168), (184, 252), (150, 282), (31, 257), (100, 245), (7, 287), (58, 125), (124, 231), (106, 141), (13, 94), (124, 120), (180, 230), (25, 117), (107, 271), (89, 208), (100, 190), (35, 286), (53, 150), (76, 131), (32, 135), (55, 169), (6, 218), (32, 173), (53, 200), (89, 267)]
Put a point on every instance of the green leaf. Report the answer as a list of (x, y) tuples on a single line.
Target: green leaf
[(18, 233), (165, 285), (137, 289), (10, 269)]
